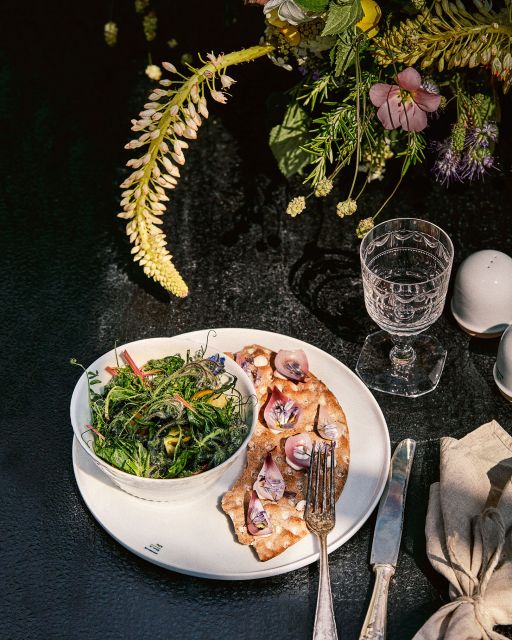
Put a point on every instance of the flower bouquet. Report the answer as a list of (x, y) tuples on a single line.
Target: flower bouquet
[(369, 79)]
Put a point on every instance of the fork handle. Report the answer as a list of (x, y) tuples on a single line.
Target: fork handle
[(374, 626), (325, 624)]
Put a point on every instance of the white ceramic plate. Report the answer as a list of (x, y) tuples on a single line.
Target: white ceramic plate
[(198, 539)]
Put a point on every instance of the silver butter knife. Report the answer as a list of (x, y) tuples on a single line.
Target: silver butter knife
[(386, 539)]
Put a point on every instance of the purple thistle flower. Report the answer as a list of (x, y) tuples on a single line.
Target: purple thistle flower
[(478, 159), (429, 85), (473, 162), (482, 136), (476, 164), (447, 167), (490, 129)]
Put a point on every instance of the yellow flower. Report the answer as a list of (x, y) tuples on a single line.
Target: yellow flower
[(370, 20), (292, 34), (110, 31), (275, 20)]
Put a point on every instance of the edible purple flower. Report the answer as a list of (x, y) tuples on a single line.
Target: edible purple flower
[(218, 360), (258, 522), (292, 364), (447, 168), (281, 412), (473, 161), (246, 363), (269, 484), (476, 163)]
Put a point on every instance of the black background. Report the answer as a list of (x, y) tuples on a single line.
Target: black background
[(69, 288)]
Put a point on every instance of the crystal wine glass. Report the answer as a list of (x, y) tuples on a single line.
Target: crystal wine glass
[(406, 266)]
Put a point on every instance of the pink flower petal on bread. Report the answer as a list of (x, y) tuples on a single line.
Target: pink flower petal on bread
[(269, 484), (258, 522), (298, 450), (281, 412), (292, 364)]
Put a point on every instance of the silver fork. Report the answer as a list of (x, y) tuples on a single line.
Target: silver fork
[(320, 517)]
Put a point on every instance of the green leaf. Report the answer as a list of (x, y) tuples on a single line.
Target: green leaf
[(131, 457), (342, 55), (316, 6), (287, 139), (342, 15)]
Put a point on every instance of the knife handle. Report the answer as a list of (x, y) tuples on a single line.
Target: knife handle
[(374, 627)]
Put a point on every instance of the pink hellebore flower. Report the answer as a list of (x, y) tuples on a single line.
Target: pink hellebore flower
[(405, 104)]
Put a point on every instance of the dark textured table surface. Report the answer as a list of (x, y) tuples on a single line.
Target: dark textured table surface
[(70, 289)]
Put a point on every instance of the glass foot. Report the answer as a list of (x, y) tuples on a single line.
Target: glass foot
[(415, 379)]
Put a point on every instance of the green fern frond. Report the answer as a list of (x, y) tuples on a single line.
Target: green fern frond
[(448, 35)]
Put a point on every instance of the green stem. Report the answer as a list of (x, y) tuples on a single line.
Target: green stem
[(358, 117), (397, 185)]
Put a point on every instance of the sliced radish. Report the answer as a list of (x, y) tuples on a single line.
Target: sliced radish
[(328, 429), (270, 483), (246, 362), (258, 523), (298, 451), (281, 412), (292, 364)]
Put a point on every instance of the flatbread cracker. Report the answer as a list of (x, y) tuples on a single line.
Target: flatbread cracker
[(287, 514)]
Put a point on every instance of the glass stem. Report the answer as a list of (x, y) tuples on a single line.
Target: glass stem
[(402, 354)]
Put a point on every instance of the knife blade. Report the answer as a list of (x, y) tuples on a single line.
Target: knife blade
[(387, 537)]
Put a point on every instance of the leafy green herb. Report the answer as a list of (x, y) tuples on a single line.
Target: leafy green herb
[(172, 417), (343, 54), (334, 135), (342, 15), (315, 6)]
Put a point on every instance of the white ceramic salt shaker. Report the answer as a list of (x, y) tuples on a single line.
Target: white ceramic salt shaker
[(482, 296), (503, 367)]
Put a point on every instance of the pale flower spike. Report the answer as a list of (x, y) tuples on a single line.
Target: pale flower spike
[(219, 96), (217, 61), (153, 71), (169, 116), (226, 81), (168, 66)]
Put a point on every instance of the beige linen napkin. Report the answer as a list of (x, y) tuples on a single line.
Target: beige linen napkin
[(469, 535)]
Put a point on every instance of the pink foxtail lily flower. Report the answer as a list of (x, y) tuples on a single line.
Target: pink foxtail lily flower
[(404, 104)]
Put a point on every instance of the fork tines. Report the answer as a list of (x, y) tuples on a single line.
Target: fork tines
[(321, 484)]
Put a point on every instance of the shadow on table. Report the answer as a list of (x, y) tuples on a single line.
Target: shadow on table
[(328, 283)]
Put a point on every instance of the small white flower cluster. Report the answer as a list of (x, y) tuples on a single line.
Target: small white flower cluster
[(374, 160), (323, 188), (153, 71), (364, 227), (346, 208), (296, 206), (110, 31), (306, 45)]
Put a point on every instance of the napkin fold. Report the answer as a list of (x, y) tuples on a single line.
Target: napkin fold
[(469, 535)]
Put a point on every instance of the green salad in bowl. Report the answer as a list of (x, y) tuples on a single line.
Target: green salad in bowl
[(163, 418)]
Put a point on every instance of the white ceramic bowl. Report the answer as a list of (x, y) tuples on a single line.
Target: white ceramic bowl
[(176, 490), (482, 296), (503, 367)]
